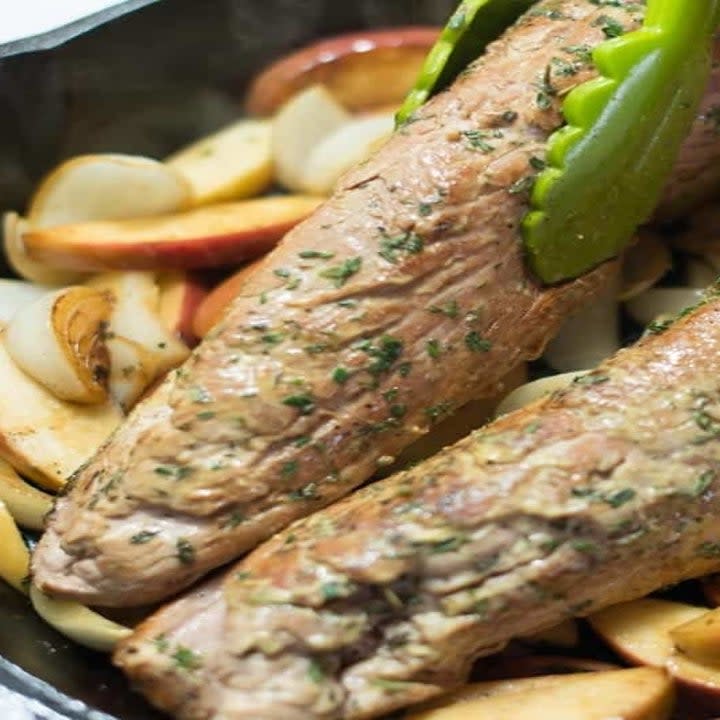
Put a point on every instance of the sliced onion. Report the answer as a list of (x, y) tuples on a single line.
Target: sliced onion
[(662, 303), (14, 227), (27, 505), (141, 347), (78, 622), (16, 294), (643, 264), (59, 340), (525, 394), (15, 557), (588, 337)]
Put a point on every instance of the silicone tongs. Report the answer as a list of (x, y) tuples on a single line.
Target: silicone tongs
[(606, 167)]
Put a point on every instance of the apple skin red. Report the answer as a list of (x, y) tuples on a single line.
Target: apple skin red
[(211, 236), (362, 70)]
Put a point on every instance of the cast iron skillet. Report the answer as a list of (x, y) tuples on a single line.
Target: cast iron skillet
[(142, 68)]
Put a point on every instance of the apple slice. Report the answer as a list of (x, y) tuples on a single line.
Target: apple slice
[(348, 146), (634, 694), (45, 438), (209, 236), (303, 122), (181, 295), (14, 229), (699, 639), (234, 163), (26, 504), (15, 557), (214, 305), (107, 187), (362, 70), (641, 631), (141, 347), (59, 341)]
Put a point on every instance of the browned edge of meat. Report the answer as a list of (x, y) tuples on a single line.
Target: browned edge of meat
[(603, 492), (402, 298)]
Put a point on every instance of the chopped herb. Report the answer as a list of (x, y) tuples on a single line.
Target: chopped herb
[(704, 481), (243, 575), (477, 140), (333, 590), (476, 343), (302, 441), (584, 546), (289, 468), (582, 52), (341, 273), (620, 497), (449, 309), (283, 273), (593, 378), (404, 369), (537, 163), (177, 471), (348, 303), (610, 26), (392, 247), (185, 551), (425, 209), (205, 415), (509, 116), (657, 327), (384, 354), (162, 645), (315, 672), (186, 659), (340, 375), (398, 410), (433, 348), (706, 422), (304, 402), (273, 338), (315, 348), (316, 255), (522, 185), (532, 427), (144, 536)]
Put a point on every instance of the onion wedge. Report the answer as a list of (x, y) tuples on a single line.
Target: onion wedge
[(141, 347), (59, 341)]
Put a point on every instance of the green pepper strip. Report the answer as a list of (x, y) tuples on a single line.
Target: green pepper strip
[(607, 167), (474, 25)]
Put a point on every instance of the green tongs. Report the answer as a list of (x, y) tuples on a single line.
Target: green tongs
[(606, 167)]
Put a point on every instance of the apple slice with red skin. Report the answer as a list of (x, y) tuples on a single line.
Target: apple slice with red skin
[(640, 631), (181, 294), (210, 236), (362, 70)]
